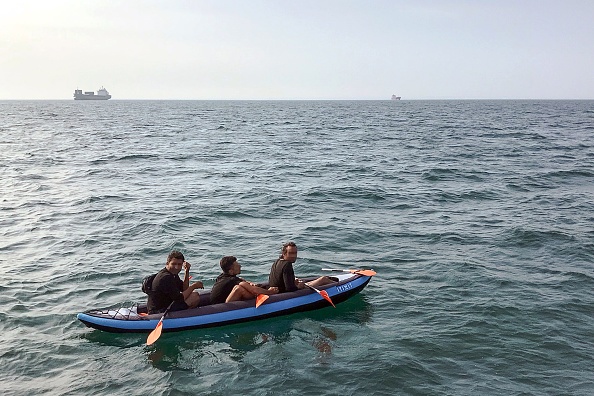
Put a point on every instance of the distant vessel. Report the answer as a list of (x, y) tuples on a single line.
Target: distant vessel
[(102, 94), (394, 97)]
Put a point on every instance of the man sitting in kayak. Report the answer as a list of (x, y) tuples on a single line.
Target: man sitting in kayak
[(168, 288), (282, 274), (228, 287)]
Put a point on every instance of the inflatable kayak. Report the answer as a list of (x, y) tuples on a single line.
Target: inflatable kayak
[(136, 320)]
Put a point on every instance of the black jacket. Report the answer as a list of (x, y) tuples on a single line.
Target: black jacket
[(166, 288), (282, 276)]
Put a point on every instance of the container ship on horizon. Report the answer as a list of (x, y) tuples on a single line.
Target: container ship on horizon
[(102, 94)]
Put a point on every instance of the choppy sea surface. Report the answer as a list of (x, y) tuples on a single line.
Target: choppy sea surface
[(477, 216)]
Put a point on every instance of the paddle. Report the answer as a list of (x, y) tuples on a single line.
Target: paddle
[(352, 271), (260, 298), (322, 293), (155, 334)]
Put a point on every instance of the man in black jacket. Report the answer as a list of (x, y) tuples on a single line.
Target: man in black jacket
[(168, 288), (282, 274), (228, 287)]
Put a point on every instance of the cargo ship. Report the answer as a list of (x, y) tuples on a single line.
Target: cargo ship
[(102, 94), (394, 97)]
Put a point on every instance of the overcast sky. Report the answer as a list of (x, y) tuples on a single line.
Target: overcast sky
[(302, 49)]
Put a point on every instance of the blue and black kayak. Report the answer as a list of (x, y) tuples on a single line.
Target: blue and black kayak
[(136, 320)]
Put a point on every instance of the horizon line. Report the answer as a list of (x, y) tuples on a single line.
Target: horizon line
[(296, 100)]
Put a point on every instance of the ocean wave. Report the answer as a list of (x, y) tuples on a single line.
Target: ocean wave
[(523, 237), (471, 195)]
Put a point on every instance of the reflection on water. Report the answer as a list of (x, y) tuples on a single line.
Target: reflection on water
[(119, 340), (323, 341)]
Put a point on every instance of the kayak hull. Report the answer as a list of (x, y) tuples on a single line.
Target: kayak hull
[(131, 320)]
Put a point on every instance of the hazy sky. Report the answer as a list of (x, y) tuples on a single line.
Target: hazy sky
[(302, 49)]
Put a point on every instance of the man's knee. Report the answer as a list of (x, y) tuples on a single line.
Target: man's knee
[(193, 300)]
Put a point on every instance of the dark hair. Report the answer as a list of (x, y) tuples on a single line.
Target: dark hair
[(227, 263), (175, 254), (285, 246)]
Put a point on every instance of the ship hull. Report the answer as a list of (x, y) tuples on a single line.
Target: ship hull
[(92, 97)]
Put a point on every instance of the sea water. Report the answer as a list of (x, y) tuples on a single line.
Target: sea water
[(477, 216)]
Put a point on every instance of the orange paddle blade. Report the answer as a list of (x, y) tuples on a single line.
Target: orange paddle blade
[(155, 334), (260, 299), (324, 294), (364, 272)]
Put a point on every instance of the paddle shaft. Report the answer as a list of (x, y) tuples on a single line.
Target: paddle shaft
[(358, 271)]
